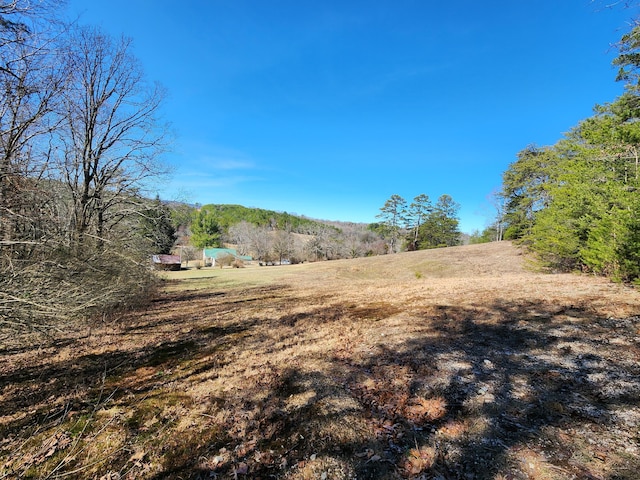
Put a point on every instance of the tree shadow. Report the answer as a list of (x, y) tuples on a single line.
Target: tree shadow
[(49, 389), (523, 373), (494, 391), (472, 393)]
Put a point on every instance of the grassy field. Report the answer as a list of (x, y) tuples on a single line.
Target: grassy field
[(456, 363)]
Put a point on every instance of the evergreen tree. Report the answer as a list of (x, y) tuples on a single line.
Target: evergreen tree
[(205, 230), (393, 214), (157, 227), (441, 227), (524, 188), (485, 236), (576, 203), (417, 214)]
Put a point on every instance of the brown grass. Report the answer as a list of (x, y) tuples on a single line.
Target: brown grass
[(452, 363)]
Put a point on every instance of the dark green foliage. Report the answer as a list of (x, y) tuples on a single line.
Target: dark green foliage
[(157, 227), (205, 229), (576, 203), (524, 188), (487, 235), (441, 226), (420, 224), (379, 228), (393, 216), (228, 215), (629, 249), (417, 213), (181, 214), (629, 59)]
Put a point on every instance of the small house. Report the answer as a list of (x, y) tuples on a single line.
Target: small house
[(166, 262)]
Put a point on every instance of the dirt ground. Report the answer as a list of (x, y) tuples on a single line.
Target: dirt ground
[(458, 363)]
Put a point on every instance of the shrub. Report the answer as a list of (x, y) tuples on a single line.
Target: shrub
[(225, 260), (55, 286)]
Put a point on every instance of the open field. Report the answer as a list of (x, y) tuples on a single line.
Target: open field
[(456, 363)]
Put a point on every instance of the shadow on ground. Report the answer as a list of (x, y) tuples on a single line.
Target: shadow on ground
[(507, 391)]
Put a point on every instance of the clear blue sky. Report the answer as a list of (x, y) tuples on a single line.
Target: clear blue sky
[(327, 108)]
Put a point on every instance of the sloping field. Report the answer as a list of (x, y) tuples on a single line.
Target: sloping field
[(456, 363)]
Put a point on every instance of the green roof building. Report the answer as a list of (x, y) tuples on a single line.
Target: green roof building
[(213, 253)]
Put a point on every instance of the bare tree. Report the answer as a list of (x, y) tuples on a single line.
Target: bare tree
[(498, 202), (282, 245), (353, 245), (112, 138), (323, 245), (262, 243), (31, 79), (78, 140), (188, 253), (241, 235), (251, 239)]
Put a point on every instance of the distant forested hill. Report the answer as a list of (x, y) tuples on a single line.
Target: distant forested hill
[(228, 215)]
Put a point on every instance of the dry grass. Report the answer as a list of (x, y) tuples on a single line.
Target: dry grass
[(454, 363)]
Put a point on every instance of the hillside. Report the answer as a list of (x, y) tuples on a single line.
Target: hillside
[(450, 363), (227, 215)]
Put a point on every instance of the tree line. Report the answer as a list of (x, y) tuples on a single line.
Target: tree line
[(274, 236), (576, 203), (271, 236), (210, 224)]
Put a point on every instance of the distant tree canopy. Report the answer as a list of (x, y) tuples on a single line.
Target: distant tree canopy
[(488, 234), (417, 214), (267, 235), (228, 215), (392, 214), (576, 204)]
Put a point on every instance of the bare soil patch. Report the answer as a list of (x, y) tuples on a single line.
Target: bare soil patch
[(448, 364)]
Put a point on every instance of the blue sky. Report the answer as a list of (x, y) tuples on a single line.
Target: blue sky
[(327, 108)]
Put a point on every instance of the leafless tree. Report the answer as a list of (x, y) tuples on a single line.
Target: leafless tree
[(498, 202), (282, 245), (241, 235), (31, 80), (353, 245), (262, 243), (299, 246), (78, 140), (323, 245), (252, 240), (188, 253), (112, 137)]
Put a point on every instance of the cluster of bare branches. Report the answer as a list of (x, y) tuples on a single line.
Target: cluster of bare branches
[(80, 140), (329, 241), (42, 295)]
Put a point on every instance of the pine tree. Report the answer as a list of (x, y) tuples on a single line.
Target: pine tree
[(441, 227)]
